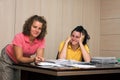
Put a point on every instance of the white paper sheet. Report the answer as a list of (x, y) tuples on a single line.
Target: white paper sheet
[(48, 64), (66, 63)]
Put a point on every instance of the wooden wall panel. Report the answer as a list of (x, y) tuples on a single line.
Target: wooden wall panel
[(25, 9), (52, 10), (72, 16), (91, 21), (7, 19), (110, 42), (110, 26), (109, 53), (110, 8)]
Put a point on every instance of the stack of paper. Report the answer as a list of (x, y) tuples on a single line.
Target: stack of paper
[(66, 63), (104, 60), (83, 66), (48, 64)]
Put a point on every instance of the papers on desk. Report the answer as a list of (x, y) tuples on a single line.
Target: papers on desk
[(104, 60), (48, 64), (83, 66), (66, 63)]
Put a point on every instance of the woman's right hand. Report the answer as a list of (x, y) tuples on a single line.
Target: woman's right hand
[(68, 40)]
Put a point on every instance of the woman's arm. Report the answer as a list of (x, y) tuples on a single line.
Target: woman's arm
[(20, 58), (62, 54), (19, 55), (86, 55), (39, 55)]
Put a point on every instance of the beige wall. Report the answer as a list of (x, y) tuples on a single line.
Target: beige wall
[(110, 28), (62, 16)]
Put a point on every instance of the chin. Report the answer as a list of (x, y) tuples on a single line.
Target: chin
[(75, 43), (35, 36)]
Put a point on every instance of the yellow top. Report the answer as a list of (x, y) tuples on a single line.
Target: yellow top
[(73, 55)]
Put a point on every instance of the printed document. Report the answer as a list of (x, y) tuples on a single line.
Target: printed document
[(66, 63)]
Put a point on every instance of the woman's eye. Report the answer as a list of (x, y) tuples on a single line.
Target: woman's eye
[(77, 37), (40, 28), (34, 26)]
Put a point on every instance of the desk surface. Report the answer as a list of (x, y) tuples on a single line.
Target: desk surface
[(68, 71)]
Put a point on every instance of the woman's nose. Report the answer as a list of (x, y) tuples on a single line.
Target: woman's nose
[(74, 38), (37, 29)]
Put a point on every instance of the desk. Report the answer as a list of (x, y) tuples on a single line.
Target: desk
[(101, 72)]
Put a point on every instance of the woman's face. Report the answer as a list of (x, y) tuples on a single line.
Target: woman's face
[(75, 37), (36, 28)]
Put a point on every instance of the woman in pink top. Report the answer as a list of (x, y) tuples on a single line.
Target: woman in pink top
[(25, 44)]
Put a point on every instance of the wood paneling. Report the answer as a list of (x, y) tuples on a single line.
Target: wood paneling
[(110, 53), (7, 19), (110, 42), (25, 9), (110, 28), (52, 10), (91, 21), (110, 9)]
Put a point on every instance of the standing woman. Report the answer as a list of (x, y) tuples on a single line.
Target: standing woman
[(75, 47), (25, 44)]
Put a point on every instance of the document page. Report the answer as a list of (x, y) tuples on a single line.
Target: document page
[(66, 63)]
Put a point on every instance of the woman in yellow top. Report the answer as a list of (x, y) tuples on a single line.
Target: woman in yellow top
[(75, 47)]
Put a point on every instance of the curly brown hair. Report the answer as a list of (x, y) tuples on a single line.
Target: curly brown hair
[(28, 23)]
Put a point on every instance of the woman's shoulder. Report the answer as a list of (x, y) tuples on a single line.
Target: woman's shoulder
[(19, 36), (40, 40), (62, 42)]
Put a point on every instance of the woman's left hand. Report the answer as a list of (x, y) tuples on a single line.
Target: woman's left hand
[(38, 59), (81, 38)]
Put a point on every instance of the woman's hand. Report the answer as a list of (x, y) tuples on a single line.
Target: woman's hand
[(81, 38), (38, 59), (67, 40)]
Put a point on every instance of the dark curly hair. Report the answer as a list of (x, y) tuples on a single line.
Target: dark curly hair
[(28, 23), (82, 30)]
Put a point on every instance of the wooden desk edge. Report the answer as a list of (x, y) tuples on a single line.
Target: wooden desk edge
[(67, 73)]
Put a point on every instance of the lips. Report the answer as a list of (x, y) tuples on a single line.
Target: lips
[(35, 34)]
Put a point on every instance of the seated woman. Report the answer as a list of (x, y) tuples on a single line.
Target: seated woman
[(75, 47)]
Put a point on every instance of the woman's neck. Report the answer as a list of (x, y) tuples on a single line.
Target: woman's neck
[(75, 47), (31, 39)]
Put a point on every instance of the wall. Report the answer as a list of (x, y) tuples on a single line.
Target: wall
[(110, 28), (62, 16), (7, 21)]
